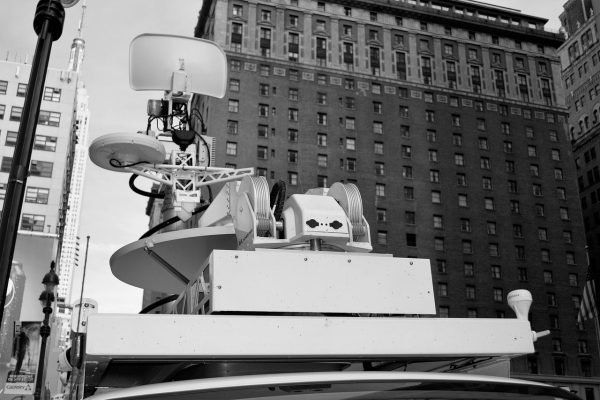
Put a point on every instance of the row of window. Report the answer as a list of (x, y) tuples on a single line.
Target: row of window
[(37, 168), (50, 93), (33, 194), (50, 118), (378, 89), (41, 142)]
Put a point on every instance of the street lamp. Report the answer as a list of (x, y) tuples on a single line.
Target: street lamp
[(46, 298), (48, 24)]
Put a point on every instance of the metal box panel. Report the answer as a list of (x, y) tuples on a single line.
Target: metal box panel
[(319, 282)]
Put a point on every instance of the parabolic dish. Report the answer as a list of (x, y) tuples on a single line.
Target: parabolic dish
[(125, 149), (184, 250)]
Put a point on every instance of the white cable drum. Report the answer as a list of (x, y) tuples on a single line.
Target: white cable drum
[(258, 193), (348, 196)]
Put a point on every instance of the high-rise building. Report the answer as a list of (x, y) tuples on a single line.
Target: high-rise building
[(69, 254), (448, 116), (580, 58)]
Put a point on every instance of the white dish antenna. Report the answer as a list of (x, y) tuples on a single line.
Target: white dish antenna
[(178, 64), (116, 151)]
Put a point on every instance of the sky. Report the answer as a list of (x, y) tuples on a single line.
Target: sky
[(112, 215)]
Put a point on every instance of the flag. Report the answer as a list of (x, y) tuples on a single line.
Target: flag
[(588, 309)]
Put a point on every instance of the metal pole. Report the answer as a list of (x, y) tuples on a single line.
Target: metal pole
[(48, 24), (44, 333)]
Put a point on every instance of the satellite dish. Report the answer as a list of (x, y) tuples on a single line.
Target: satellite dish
[(168, 62), (118, 150)]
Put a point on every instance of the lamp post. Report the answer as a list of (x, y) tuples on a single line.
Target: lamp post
[(48, 25), (50, 282)]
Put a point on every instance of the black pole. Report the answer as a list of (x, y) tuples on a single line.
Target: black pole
[(48, 24), (44, 333)]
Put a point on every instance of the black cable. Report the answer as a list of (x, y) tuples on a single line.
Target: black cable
[(277, 198), (158, 303), (117, 164), (159, 195), (170, 221)]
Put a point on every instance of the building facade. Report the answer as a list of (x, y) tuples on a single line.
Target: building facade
[(449, 117)]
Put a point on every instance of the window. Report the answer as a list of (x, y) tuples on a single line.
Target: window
[(493, 249), (568, 237), (379, 190), (350, 144), (483, 143), (485, 163), (543, 234), (496, 272), (292, 156), (442, 289), (292, 178), (378, 127), (41, 168), (32, 222), (37, 195), (407, 171), (322, 139), (465, 225), (52, 94), (459, 159), (489, 203), (262, 152), (382, 238), (237, 10), (21, 89), (536, 189), (235, 66), (431, 136), (45, 143), (531, 151), (470, 292), (351, 164), (377, 107), (232, 127), (2, 111), (436, 197), (263, 89), (556, 154), (508, 147), (457, 139), (573, 281), (350, 123), (322, 119), (534, 170), (438, 222), (509, 166), (321, 181), (235, 104), (293, 114), (429, 116), (293, 94), (404, 131), (438, 244), (434, 176), (564, 213), (409, 217), (406, 151), (321, 159), (461, 179), (469, 269), (433, 155), (381, 215), (463, 200), (491, 228), (481, 124), (539, 210), (293, 135), (498, 295), (3, 87), (231, 149), (15, 113), (403, 111), (293, 45), (545, 255), (378, 148)]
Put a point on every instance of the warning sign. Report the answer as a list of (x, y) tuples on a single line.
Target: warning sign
[(22, 383)]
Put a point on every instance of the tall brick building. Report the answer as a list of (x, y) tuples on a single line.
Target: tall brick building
[(449, 117)]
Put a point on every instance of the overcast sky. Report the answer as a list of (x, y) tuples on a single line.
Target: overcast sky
[(112, 214)]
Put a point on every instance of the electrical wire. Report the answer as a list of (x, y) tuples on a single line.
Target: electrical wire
[(159, 195), (171, 221), (158, 303), (117, 164)]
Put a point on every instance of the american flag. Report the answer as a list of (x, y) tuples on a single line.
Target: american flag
[(588, 309)]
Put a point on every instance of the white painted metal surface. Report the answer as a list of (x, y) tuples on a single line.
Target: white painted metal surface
[(318, 282), (276, 337)]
